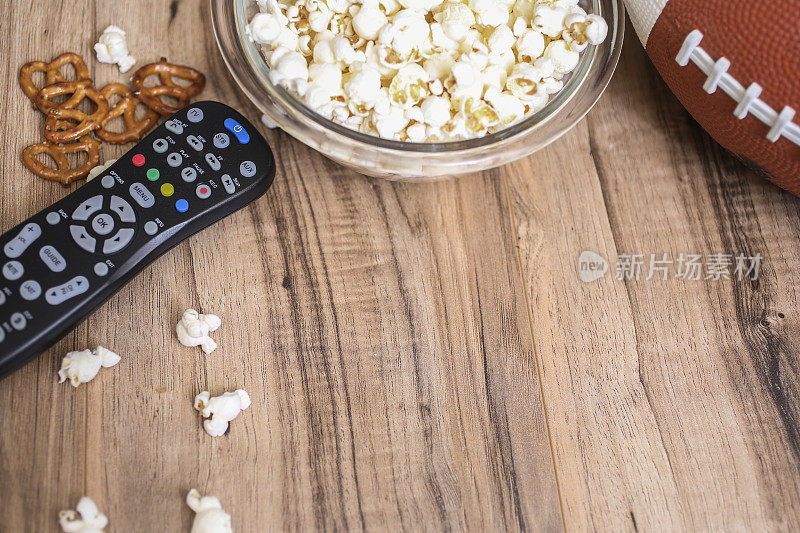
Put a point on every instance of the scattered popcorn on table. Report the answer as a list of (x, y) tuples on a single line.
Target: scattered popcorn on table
[(210, 517), (424, 70), (220, 410), (82, 367), (112, 48), (99, 169), (193, 330), (91, 520)]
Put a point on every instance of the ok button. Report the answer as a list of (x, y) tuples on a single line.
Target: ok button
[(103, 224)]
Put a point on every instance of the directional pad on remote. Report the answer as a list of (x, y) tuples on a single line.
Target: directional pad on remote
[(123, 209), (87, 208), (82, 238)]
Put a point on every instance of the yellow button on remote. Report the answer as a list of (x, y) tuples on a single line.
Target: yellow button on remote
[(167, 189)]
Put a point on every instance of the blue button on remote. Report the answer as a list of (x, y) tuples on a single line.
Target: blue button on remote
[(237, 129), (182, 205)]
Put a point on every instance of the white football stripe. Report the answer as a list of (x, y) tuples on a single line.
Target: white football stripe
[(644, 14)]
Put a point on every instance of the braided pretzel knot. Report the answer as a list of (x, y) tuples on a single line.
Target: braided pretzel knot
[(166, 71), (64, 173), (126, 108), (58, 115), (52, 72)]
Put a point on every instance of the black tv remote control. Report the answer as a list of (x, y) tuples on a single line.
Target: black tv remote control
[(201, 165)]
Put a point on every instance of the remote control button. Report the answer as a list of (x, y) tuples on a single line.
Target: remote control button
[(174, 159), (203, 191), (247, 169), (141, 195), (103, 224), (18, 321), (227, 182), (61, 293), (221, 140), (123, 209), (54, 260), (234, 127), (13, 270), (167, 190), (188, 174), (88, 208), (182, 205), (150, 227), (153, 174), (195, 115), (2, 299), (101, 269), (83, 239), (160, 146), (174, 127), (137, 160), (29, 233), (2, 334), (118, 241), (213, 162), (53, 218), (195, 143), (30, 290), (107, 181)]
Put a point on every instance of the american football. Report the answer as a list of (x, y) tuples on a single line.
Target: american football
[(733, 65)]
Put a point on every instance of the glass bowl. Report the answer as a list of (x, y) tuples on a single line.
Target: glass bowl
[(401, 160)]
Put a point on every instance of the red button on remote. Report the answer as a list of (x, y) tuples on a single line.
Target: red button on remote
[(138, 160)]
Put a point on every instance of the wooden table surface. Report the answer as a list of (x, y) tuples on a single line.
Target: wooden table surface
[(424, 356)]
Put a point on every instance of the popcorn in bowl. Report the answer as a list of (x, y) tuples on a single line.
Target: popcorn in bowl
[(424, 70)]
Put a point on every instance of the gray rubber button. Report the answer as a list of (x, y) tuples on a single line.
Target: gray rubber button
[(160, 146), (13, 270), (213, 162), (53, 218), (30, 290), (221, 140), (247, 169), (103, 224), (24, 238), (107, 181), (118, 241), (174, 127), (151, 228), (123, 209), (174, 159), (195, 115), (101, 269), (54, 260), (227, 182), (18, 321), (83, 239), (2, 299), (2, 334), (88, 208), (203, 191), (188, 174), (195, 143), (142, 196), (61, 293)]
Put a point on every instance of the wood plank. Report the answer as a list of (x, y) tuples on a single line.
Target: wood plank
[(672, 404), (381, 330)]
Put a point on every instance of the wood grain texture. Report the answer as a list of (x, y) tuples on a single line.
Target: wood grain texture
[(381, 330), (671, 404)]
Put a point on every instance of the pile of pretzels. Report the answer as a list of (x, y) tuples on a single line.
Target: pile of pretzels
[(68, 129)]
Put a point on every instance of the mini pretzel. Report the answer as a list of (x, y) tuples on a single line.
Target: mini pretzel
[(52, 72), (57, 114), (126, 108), (58, 152), (165, 71)]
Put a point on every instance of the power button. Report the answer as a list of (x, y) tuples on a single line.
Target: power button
[(234, 127)]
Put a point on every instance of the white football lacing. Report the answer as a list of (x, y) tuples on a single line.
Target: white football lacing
[(780, 124)]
